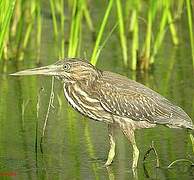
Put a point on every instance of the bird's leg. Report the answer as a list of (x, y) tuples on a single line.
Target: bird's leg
[(111, 153), (135, 152), (131, 137)]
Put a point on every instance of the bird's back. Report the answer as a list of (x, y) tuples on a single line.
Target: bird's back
[(127, 98)]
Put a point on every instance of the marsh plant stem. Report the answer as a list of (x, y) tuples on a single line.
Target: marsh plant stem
[(48, 109), (174, 35), (100, 33), (8, 8), (55, 28), (160, 34), (135, 43), (190, 23), (77, 14), (122, 32), (62, 16)]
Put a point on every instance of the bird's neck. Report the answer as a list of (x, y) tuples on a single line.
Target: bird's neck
[(85, 83)]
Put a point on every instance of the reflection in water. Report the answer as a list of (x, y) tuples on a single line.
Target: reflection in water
[(152, 148), (110, 172), (150, 173), (90, 149), (147, 175), (159, 172), (135, 175)]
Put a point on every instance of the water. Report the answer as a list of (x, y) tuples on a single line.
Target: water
[(75, 147)]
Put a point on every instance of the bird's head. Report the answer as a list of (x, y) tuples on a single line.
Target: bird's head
[(68, 70)]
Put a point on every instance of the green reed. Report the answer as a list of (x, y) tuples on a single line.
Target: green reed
[(161, 32), (53, 12), (190, 23), (77, 14), (18, 19), (25, 17), (147, 44), (96, 50), (30, 25), (134, 28), (172, 27), (17, 28), (6, 12), (148, 55), (122, 34), (39, 29), (62, 20), (88, 16)]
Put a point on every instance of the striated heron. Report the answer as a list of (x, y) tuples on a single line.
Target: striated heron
[(114, 99)]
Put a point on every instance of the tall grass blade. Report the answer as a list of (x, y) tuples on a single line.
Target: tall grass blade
[(30, 25), (29, 29), (147, 45), (135, 43), (122, 31), (190, 23), (39, 29), (88, 17), (55, 28), (180, 7), (94, 57), (16, 17), (62, 55), (18, 26), (174, 35), (105, 41), (6, 12), (71, 36), (161, 32), (77, 14)]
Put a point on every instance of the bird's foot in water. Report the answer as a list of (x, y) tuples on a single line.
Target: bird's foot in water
[(108, 163)]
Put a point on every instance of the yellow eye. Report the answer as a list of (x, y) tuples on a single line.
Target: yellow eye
[(66, 67)]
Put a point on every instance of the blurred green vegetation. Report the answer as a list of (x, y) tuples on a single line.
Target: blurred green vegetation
[(22, 20)]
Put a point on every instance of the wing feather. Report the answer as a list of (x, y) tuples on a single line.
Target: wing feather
[(123, 97)]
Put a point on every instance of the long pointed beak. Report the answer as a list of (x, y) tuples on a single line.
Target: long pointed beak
[(51, 70)]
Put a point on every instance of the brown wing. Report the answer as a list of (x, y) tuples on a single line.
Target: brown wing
[(123, 97)]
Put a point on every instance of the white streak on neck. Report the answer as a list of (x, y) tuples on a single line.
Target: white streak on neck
[(70, 100)]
